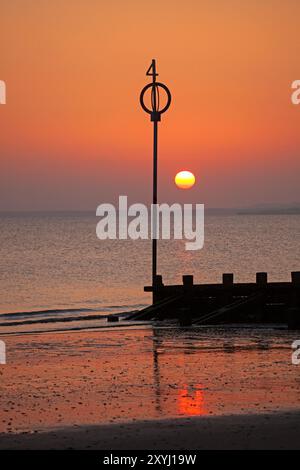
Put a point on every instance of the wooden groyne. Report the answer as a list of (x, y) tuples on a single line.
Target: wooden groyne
[(227, 302)]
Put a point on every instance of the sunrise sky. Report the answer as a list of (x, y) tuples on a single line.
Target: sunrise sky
[(73, 134)]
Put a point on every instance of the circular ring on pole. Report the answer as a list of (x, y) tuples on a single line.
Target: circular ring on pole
[(155, 113)]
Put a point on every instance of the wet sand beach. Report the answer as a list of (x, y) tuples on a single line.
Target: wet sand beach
[(134, 376)]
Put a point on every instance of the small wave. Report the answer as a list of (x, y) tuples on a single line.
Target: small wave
[(107, 326), (62, 311), (52, 320), (46, 312)]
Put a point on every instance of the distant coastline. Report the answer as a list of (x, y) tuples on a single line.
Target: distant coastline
[(275, 211)]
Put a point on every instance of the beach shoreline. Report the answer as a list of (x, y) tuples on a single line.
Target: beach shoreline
[(279, 430)]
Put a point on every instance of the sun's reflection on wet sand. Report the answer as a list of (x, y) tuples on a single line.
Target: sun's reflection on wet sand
[(191, 401), (190, 398)]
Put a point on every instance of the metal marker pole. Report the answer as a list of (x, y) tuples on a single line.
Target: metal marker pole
[(155, 113), (154, 200)]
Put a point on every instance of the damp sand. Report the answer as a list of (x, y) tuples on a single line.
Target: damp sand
[(158, 383)]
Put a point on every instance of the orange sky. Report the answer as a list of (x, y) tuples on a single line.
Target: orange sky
[(73, 134)]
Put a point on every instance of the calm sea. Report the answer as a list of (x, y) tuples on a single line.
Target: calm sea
[(53, 267)]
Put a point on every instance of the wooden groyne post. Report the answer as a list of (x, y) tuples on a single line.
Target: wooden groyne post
[(243, 302), (294, 309)]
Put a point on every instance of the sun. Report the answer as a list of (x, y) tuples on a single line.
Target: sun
[(185, 179)]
